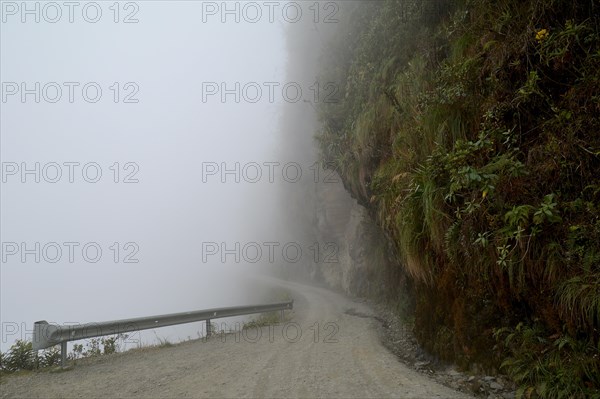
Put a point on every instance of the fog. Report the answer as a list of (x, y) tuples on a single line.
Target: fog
[(148, 154)]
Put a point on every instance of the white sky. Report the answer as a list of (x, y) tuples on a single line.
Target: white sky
[(168, 55)]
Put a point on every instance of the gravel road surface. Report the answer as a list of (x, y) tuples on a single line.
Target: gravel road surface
[(325, 348)]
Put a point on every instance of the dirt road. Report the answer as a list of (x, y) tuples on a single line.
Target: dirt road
[(328, 348)]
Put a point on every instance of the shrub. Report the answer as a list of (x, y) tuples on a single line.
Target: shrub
[(20, 356)]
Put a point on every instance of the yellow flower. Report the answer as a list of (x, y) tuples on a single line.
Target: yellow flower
[(541, 35), (484, 194)]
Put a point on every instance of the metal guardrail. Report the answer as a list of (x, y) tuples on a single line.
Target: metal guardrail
[(46, 335)]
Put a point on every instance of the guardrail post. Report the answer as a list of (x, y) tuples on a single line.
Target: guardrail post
[(208, 328), (281, 314), (63, 354)]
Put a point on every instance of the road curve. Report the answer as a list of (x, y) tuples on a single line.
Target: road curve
[(328, 348)]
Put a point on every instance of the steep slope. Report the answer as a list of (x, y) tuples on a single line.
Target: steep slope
[(469, 130)]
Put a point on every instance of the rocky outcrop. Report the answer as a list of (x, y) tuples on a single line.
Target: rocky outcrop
[(364, 262)]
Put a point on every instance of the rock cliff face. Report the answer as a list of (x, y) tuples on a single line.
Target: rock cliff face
[(354, 255), (339, 220), (357, 258)]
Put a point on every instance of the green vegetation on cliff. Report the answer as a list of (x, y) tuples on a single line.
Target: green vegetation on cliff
[(471, 131)]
